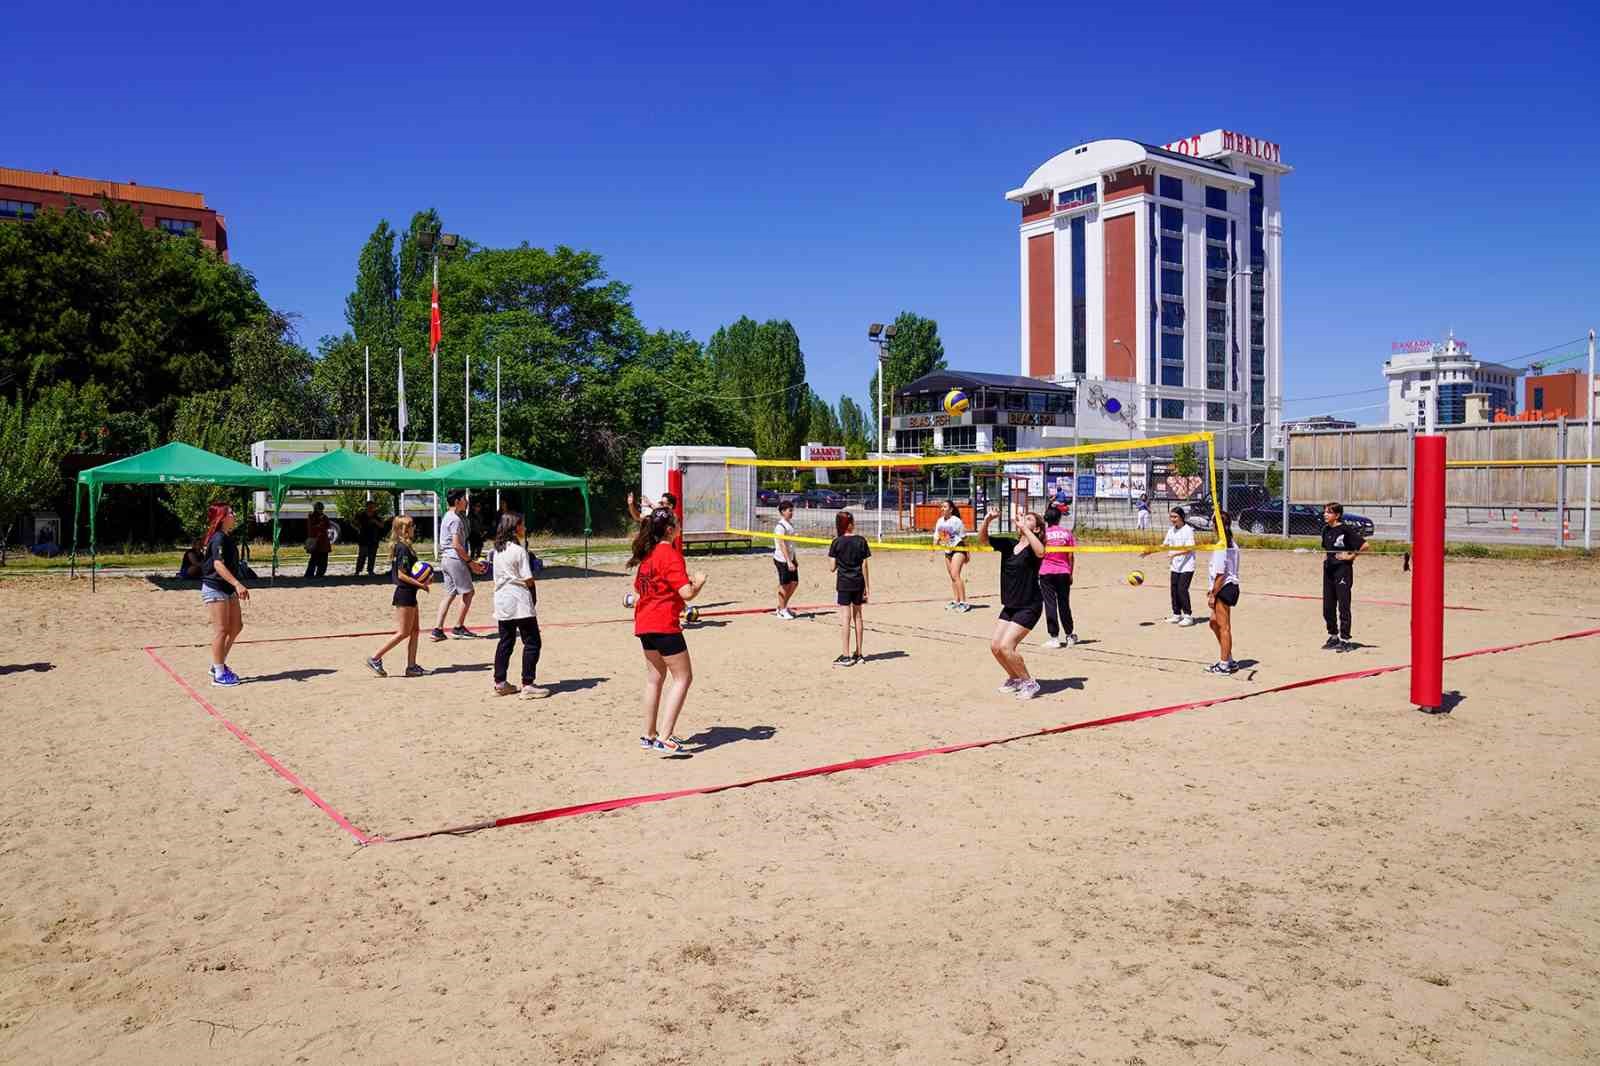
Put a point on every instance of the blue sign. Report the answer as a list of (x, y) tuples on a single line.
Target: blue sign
[(1086, 485)]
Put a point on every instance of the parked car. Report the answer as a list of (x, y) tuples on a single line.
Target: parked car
[(1305, 519), (822, 498), (767, 497)]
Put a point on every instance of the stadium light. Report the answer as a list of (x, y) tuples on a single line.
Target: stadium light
[(873, 330), (889, 331)]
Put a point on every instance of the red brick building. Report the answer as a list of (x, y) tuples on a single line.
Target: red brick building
[(1552, 393), (25, 193)]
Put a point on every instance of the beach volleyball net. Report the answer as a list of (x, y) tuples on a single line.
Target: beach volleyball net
[(1115, 496)]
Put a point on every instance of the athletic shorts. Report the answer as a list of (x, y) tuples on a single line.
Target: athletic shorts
[(787, 575), (404, 596), (1026, 617), (211, 595), (457, 576), (856, 596), (667, 644), (1229, 595), (952, 555)]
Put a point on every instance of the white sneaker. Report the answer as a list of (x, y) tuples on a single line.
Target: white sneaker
[(963, 607), (1186, 620), (1173, 620), (1010, 685), (1053, 642), (1072, 639), (1027, 689)]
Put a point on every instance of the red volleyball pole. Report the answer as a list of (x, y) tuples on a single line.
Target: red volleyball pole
[(1427, 575)]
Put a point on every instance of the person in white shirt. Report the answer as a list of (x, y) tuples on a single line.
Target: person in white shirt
[(515, 600), (948, 533), (1223, 596), (784, 559), (1181, 537)]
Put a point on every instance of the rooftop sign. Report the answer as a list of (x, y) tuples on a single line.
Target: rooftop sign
[(1216, 142)]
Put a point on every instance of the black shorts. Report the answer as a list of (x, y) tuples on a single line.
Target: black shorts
[(1229, 595), (668, 644), (787, 575), (1026, 617), (855, 596), (405, 596)]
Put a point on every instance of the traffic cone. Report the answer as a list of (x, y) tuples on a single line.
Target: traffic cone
[(1515, 525), (1566, 529)]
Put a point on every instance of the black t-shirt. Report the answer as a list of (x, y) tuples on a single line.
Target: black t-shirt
[(1340, 538), (369, 531), (219, 548), (404, 559), (1019, 573), (850, 551)]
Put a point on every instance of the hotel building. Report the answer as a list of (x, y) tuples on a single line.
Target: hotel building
[(25, 193), (1414, 368), (1156, 273)]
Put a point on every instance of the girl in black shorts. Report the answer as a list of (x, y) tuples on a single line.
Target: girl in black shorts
[(660, 589), (406, 625), (1020, 598), (1224, 597), (847, 556)]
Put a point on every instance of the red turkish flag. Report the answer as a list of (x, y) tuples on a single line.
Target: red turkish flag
[(434, 333)]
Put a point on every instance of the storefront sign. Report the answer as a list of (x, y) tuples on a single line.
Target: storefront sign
[(926, 421), (1410, 346), (1030, 418), (822, 453), (1205, 145)]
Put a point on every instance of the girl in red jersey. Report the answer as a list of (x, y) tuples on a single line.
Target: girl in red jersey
[(661, 588)]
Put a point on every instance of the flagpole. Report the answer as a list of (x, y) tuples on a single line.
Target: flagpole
[(497, 419), (434, 348)]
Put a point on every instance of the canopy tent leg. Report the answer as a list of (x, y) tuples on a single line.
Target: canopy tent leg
[(277, 508), (77, 496), (94, 540)]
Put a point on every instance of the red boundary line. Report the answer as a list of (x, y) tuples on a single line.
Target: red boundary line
[(261, 753), (619, 803)]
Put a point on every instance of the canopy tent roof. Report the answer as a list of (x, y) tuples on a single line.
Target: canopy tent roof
[(345, 469), (176, 464), (491, 470)]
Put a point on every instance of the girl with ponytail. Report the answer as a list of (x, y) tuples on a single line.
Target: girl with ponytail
[(660, 590), (221, 590)]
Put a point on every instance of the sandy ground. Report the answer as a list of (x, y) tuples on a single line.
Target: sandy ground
[(1321, 875)]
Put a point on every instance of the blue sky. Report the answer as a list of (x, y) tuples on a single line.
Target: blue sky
[(834, 164)]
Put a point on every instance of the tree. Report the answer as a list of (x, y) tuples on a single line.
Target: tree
[(372, 309), (763, 369), (915, 350), (822, 423), (32, 442), (1184, 462), (854, 427)]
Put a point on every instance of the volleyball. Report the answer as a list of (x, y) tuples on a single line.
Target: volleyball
[(421, 571), (956, 403), (1135, 578), (628, 599), (691, 615)]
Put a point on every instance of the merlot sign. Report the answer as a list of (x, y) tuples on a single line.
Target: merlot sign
[(1216, 142)]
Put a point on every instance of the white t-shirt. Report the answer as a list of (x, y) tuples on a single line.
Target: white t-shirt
[(949, 531), (512, 598), (1182, 537), (1225, 561), (782, 548)]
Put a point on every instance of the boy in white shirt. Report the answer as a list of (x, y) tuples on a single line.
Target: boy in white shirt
[(784, 559), (1181, 537)]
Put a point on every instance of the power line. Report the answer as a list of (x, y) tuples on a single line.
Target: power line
[(753, 396)]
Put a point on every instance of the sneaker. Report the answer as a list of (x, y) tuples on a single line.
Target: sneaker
[(667, 746), (1346, 645), (1010, 685), (436, 635), (1331, 644), (376, 666), (647, 743), (1027, 688), (857, 658), (1072, 639), (461, 633), (1174, 619), (952, 606), (1220, 668), (416, 671), (533, 692), (786, 614), (1186, 620), (844, 660), (505, 688), (963, 607), (1053, 642), (225, 678)]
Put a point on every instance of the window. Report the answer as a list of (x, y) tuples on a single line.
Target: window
[(1006, 435), (1058, 401), (1172, 314), (1172, 374), (1172, 347), (1215, 380), (1213, 410), (1216, 291), (1172, 250), (18, 209), (1538, 399), (1171, 188), (1216, 258), (177, 226), (1068, 199), (1171, 219), (1215, 323), (1172, 283), (1080, 298), (913, 440), (1216, 228), (1171, 408), (961, 437), (1217, 200), (1016, 401)]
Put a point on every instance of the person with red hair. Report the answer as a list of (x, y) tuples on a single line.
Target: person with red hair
[(221, 590), (847, 558)]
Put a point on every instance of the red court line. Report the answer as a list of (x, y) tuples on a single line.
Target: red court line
[(261, 753), (619, 803), (815, 607)]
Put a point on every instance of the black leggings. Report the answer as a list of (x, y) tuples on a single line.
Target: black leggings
[(1057, 592), (368, 554), (529, 628), (1180, 592), (1336, 583), (317, 565)]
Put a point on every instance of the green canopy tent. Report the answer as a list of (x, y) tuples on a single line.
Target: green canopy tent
[(491, 470), (171, 464), (342, 469)]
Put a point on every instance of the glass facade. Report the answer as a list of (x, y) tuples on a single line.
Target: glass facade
[(1173, 316), (1170, 188), (178, 226), (960, 437), (1258, 315), (18, 209), (1080, 299)]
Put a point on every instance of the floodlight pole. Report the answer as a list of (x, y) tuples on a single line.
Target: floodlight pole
[(881, 335), (497, 419), (1588, 453)]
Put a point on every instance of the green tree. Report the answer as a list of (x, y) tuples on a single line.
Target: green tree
[(372, 310), (915, 350), (763, 369), (32, 442), (822, 422), (1184, 462), (855, 428)]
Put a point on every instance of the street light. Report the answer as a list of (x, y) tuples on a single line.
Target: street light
[(882, 336)]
